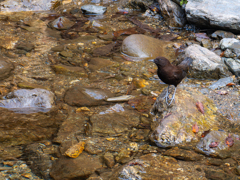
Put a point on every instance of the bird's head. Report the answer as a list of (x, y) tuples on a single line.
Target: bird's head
[(160, 61)]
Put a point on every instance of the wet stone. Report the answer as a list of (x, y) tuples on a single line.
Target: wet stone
[(61, 23), (219, 34), (147, 168), (8, 42), (58, 48), (25, 46), (221, 83), (106, 37), (6, 68), (228, 53), (66, 53), (219, 174), (206, 43), (28, 101), (26, 85), (226, 43), (79, 96), (140, 47), (98, 63), (109, 159), (69, 70), (182, 154), (80, 167), (93, 9), (113, 123)]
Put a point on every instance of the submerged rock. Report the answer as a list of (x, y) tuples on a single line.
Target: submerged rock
[(79, 96), (80, 167), (214, 14), (148, 167), (206, 64), (219, 34), (6, 68), (28, 101), (61, 23), (139, 47)]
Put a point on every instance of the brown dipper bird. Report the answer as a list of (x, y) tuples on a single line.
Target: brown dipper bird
[(171, 74)]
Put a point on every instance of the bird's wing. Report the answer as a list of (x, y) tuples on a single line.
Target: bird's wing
[(178, 74)]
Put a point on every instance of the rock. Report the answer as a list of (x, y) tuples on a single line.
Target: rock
[(8, 42), (75, 123), (41, 162), (80, 167), (18, 129), (104, 50), (234, 65), (123, 156), (172, 13), (109, 159), (147, 168), (114, 123), (214, 14), (140, 47), (79, 96), (206, 64), (69, 70), (66, 54), (220, 149), (98, 145), (61, 23), (26, 85), (219, 174), (58, 48), (29, 101), (19, 6), (228, 53), (221, 83), (106, 37), (98, 63), (182, 154), (206, 43), (227, 43), (175, 128), (75, 150), (93, 9), (6, 68), (219, 34), (25, 46)]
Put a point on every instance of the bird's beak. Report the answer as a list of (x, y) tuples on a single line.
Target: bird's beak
[(151, 60)]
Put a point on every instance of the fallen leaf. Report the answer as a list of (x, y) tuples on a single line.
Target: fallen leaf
[(200, 107), (229, 141), (195, 128)]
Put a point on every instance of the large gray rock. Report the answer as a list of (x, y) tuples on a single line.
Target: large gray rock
[(234, 65), (172, 13), (222, 14), (206, 64)]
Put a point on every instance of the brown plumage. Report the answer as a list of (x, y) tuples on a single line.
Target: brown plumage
[(171, 74)]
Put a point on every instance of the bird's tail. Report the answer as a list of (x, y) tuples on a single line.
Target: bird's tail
[(184, 65)]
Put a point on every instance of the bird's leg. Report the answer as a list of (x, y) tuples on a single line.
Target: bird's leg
[(173, 96), (166, 96)]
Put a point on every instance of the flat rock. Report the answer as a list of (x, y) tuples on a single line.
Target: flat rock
[(79, 96), (206, 64), (221, 83), (214, 14), (6, 68), (140, 47), (93, 9), (114, 123), (172, 13), (72, 168), (28, 101)]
